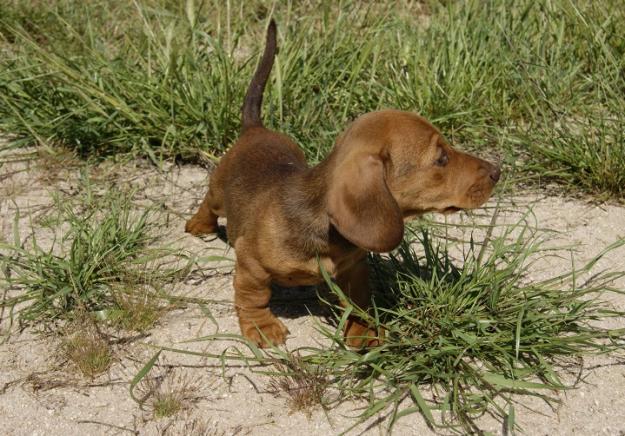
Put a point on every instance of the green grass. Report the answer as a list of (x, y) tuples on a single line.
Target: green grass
[(587, 154), (165, 79), (103, 262), (466, 336), (470, 336)]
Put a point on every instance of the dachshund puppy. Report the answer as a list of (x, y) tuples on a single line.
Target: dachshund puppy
[(285, 219)]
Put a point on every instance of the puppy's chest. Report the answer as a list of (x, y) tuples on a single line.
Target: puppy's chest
[(301, 273), (308, 272)]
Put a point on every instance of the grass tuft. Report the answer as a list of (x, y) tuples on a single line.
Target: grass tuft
[(105, 246), (135, 310), (587, 154), (303, 385), (166, 405), (167, 392), (87, 349), (465, 337)]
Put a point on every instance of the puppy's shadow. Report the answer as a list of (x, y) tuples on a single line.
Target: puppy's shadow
[(301, 301), (222, 233)]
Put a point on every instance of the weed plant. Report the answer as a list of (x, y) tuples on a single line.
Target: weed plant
[(464, 337), (104, 263)]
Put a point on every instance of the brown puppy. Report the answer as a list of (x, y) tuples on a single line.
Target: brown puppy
[(284, 218)]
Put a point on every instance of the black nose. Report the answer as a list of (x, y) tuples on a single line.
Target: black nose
[(495, 173)]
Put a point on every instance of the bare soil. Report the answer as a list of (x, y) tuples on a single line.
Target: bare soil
[(42, 395)]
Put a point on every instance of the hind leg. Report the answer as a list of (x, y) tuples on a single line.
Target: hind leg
[(205, 219)]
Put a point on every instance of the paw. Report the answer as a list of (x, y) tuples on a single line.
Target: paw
[(360, 335), (197, 226), (270, 331)]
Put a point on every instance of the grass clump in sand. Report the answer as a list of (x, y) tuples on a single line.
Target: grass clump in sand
[(136, 309), (165, 391), (470, 335), (303, 385), (86, 348), (100, 261)]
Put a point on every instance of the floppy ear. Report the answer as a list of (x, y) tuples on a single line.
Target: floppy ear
[(362, 208)]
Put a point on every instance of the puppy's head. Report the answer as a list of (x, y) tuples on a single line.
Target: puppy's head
[(391, 165)]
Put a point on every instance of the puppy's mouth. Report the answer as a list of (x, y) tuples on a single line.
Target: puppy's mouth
[(418, 212)]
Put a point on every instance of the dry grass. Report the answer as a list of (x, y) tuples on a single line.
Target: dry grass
[(86, 348), (136, 309), (195, 427), (168, 392), (304, 385)]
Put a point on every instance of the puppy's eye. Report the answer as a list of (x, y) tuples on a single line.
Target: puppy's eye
[(443, 160)]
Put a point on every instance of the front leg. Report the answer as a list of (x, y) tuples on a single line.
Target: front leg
[(354, 282), (251, 298)]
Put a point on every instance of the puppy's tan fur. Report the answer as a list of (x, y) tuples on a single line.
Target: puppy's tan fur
[(285, 217)]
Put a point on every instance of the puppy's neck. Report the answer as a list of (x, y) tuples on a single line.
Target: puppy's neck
[(306, 209)]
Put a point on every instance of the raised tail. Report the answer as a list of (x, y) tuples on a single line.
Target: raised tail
[(254, 96)]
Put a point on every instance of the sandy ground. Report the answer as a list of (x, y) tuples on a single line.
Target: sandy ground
[(233, 399)]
